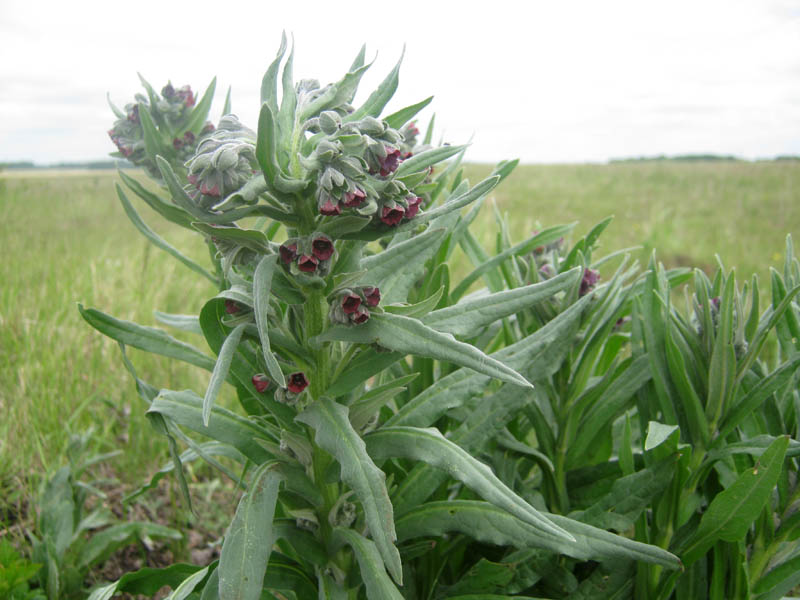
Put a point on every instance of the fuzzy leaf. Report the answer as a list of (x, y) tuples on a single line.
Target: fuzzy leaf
[(732, 511), (378, 584), (410, 336), (262, 284), (404, 115), (148, 339), (335, 434), (220, 373), (199, 114), (248, 543), (430, 446), (470, 315)]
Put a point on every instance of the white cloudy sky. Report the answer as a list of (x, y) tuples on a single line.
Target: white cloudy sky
[(562, 81)]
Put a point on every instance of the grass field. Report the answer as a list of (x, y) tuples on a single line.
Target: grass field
[(66, 240)]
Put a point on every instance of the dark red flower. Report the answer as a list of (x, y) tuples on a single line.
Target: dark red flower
[(185, 94), (322, 247), (307, 264), (353, 199), (372, 294), (360, 316), (168, 91), (412, 128), (209, 191), (192, 179), (351, 303), (590, 278), (188, 138), (392, 215), (133, 116), (297, 382), (207, 128), (232, 307), (260, 382), (413, 206), (391, 162), (177, 143), (329, 209), (288, 253)]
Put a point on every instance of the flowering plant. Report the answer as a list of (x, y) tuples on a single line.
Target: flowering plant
[(400, 437)]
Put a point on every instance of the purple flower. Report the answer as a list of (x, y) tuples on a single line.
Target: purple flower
[(354, 199), (329, 209), (209, 191), (590, 278), (372, 295), (185, 94), (260, 382), (188, 138), (350, 303), (360, 316), (232, 307), (177, 143), (297, 382), (322, 247), (413, 206), (391, 162), (307, 264), (392, 215), (288, 253)]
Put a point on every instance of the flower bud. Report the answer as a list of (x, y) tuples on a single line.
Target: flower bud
[(327, 205), (329, 122), (232, 307), (390, 163), (354, 199), (260, 382), (361, 315), (590, 278), (413, 206), (288, 252), (372, 295)]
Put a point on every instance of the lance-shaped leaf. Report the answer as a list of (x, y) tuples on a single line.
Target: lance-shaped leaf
[(157, 240), (379, 586), (248, 543), (169, 211), (186, 408), (146, 581), (388, 270), (262, 284), (404, 115), (149, 339), (335, 434), (335, 94), (103, 543), (487, 523), (249, 238), (410, 336), (540, 354), (220, 373), (427, 158), (380, 97), (190, 323), (187, 586), (199, 114), (732, 511), (269, 83), (471, 315), (152, 138), (430, 446)]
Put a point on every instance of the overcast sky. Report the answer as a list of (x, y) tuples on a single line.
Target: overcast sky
[(566, 81)]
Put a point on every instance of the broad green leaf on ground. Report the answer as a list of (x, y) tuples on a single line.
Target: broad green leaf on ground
[(378, 584), (248, 543), (335, 434), (149, 339), (411, 336), (146, 581), (733, 510), (430, 446), (187, 586), (103, 543)]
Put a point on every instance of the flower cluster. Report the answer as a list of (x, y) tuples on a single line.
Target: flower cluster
[(588, 281), (351, 306), (310, 254), (170, 114), (225, 160)]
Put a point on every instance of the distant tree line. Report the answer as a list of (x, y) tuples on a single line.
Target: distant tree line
[(697, 158), (91, 164)]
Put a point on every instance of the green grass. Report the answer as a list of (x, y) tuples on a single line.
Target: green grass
[(66, 240)]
